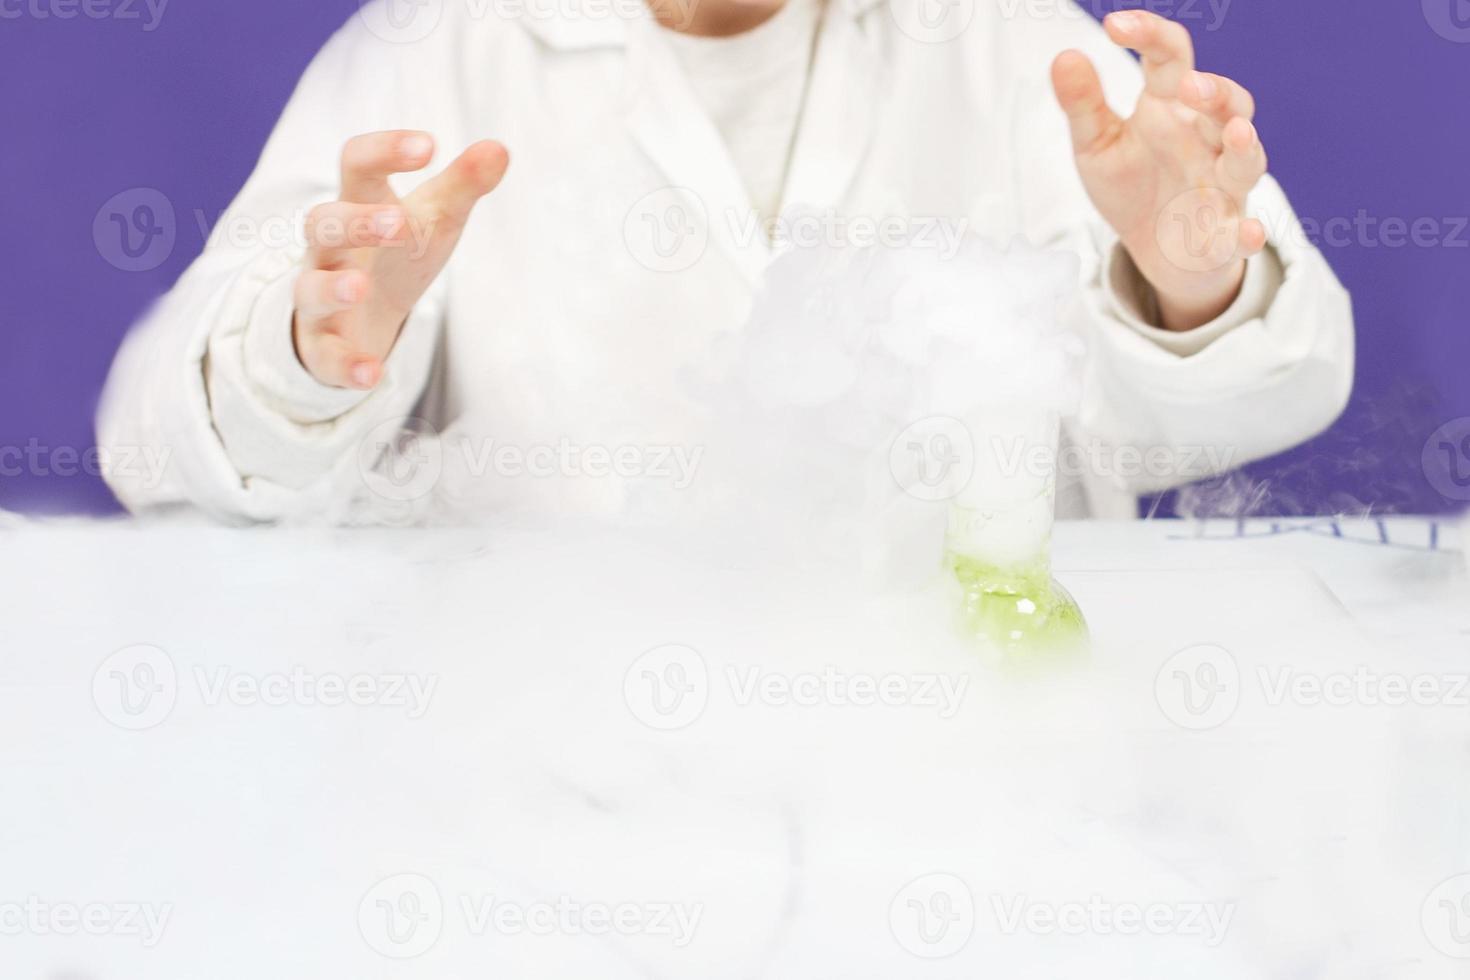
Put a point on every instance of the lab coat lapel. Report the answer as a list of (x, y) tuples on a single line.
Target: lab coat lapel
[(839, 117), (672, 128)]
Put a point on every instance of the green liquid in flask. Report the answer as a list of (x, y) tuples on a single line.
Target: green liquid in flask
[(1018, 611)]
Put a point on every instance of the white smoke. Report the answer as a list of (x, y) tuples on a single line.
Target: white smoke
[(847, 350)]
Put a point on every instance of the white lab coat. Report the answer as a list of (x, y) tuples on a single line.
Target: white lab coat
[(549, 326)]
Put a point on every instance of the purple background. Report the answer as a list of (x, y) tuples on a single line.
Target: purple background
[(1362, 107)]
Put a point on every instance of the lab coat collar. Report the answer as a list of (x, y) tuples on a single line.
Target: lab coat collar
[(667, 121), (580, 25), (836, 128)]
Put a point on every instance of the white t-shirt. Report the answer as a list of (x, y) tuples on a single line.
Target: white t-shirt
[(752, 86)]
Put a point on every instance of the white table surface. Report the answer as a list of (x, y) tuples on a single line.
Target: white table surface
[(531, 773)]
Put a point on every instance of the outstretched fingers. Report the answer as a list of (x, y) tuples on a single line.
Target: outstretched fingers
[(1218, 100), (1079, 91), (368, 160), (1165, 47), (474, 173)]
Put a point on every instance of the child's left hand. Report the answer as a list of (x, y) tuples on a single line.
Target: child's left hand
[(1172, 180)]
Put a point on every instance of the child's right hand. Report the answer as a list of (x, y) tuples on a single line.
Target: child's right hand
[(372, 256)]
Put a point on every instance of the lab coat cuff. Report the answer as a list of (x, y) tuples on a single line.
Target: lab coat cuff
[(271, 365), (1131, 299)]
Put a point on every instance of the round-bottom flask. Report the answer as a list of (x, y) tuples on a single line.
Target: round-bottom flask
[(998, 540)]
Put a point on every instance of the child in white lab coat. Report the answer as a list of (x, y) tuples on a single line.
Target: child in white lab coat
[(558, 299)]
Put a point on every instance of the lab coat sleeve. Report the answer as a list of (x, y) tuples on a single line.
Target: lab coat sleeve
[(1161, 409), (210, 376)]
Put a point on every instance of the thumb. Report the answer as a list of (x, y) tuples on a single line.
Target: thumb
[(476, 172), (1080, 93)]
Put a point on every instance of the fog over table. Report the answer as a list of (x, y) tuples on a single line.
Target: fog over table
[(474, 752)]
